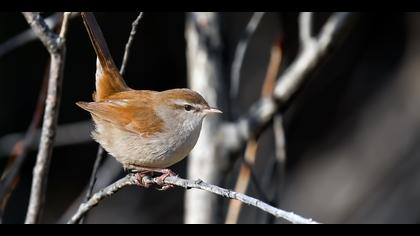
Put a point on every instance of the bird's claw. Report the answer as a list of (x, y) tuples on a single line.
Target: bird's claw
[(140, 179), (160, 181)]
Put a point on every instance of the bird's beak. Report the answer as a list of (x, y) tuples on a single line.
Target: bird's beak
[(212, 110)]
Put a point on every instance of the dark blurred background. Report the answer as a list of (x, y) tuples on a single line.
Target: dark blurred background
[(352, 133)]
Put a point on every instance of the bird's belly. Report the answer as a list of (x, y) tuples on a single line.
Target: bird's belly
[(159, 151)]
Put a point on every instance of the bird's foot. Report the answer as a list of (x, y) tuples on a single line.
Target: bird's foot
[(140, 179), (142, 172), (161, 179)]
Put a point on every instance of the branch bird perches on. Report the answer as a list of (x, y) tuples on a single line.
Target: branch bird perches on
[(131, 179)]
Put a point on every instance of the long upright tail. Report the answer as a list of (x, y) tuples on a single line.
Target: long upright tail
[(108, 77)]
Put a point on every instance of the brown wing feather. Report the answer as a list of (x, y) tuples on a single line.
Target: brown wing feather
[(130, 110)]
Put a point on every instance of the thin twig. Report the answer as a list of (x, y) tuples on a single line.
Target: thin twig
[(101, 154), (277, 171), (10, 176), (26, 36), (305, 28), (67, 134), (29, 35), (242, 182), (240, 52), (131, 179), (130, 42), (56, 47), (64, 25), (43, 32), (310, 57), (245, 172)]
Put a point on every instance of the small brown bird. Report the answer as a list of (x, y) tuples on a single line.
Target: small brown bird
[(146, 131)]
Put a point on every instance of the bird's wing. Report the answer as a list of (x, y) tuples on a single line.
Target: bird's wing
[(128, 110)]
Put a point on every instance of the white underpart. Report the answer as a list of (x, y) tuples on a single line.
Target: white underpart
[(160, 150)]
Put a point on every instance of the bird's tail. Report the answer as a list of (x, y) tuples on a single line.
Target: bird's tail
[(108, 77)]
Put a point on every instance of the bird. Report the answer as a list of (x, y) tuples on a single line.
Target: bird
[(146, 131)]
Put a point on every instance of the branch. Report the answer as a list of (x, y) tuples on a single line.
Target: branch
[(101, 153), (10, 175), (240, 52), (110, 170), (56, 47), (289, 83), (251, 147), (67, 134), (131, 179), (26, 36), (43, 32), (130, 42), (29, 35), (310, 57), (305, 28)]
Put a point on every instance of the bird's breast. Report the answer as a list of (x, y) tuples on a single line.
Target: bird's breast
[(158, 151)]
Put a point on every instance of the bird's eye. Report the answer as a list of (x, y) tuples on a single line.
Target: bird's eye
[(188, 107)]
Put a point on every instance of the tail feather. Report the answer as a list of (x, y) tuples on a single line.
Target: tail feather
[(108, 77)]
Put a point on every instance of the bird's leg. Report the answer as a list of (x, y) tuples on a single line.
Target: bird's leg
[(147, 171)]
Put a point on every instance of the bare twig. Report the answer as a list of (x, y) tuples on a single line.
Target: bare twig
[(97, 197), (240, 52), (305, 28), (262, 112), (109, 170), (29, 35), (56, 47), (131, 179), (50, 40), (309, 57), (10, 176), (242, 182), (280, 146), (245, 171), (277, 172), (67, 134), (130, 42), (101, 153)]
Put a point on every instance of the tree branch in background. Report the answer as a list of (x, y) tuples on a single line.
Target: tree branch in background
[(10, 176), (67, 134), (305, 28), (252, 144), (29, 35), (240, 53), (55, 45), (101, 154), (288, 84), (133, 32), (207, 160), (131, 179)]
